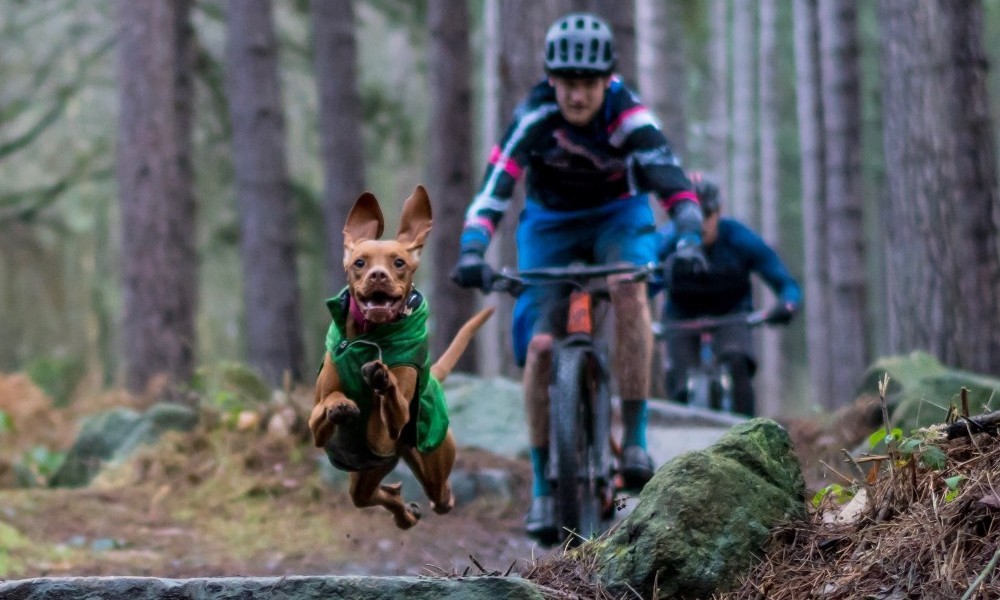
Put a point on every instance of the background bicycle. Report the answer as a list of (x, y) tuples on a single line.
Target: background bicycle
[(714, 372)]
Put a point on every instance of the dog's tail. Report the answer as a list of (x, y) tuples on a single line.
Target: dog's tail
[(442, 368)]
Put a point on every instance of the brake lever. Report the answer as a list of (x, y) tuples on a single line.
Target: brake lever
[(757, 318)]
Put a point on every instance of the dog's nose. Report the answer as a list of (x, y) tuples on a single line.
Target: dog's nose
[(378, 275)]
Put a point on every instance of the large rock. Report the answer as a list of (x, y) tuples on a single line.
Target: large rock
[(114, 435), (487, 414), (705, 515), (270, 588), (921, 389)]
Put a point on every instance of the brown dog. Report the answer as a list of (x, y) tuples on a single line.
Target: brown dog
[(378, 398)]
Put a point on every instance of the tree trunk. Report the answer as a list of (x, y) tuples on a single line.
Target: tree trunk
[(975, 229), (341, 142), (449, 167), (522, 40), (743, 184), (159, 264), (718, 93), (620, 15), (841, 85), (942, 184), (812, 152), (267, 222), (662, 63), (662, 80), (769, 380)]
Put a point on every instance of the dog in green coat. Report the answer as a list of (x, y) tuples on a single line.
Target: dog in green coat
[(378, 397)]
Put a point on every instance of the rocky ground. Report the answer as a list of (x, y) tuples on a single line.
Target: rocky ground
[(230, 498)]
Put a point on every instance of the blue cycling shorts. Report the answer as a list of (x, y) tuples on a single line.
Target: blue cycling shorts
[(619, 231)]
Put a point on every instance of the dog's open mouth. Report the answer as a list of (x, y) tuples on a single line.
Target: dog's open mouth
[(380, 307)]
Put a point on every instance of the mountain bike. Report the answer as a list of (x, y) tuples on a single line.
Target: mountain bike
[(582, 466), (713, 382)]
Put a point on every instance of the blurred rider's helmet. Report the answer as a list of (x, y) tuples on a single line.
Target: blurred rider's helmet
[(706, 190), (579, 45)]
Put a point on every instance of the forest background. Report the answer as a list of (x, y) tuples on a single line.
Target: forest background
[(174, 174)]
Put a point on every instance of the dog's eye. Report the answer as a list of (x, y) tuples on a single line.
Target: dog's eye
[(399, 263), (360, 263)]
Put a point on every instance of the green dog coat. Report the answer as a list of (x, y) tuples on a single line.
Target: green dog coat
[(401, 342)]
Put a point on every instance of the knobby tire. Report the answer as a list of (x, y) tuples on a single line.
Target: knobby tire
[(575, 391)]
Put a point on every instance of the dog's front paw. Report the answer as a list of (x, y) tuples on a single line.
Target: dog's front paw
[(342, 412), (376, 375)]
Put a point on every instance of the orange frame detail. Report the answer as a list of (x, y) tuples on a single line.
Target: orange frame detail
[(580, 312)]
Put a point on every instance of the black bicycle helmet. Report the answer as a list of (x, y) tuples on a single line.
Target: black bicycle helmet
[(706, 190), (579, 45)]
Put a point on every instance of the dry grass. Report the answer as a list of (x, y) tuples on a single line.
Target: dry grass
[(911, 540)]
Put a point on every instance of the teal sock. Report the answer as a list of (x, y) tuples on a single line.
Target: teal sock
[(634, 419), (539, 464)]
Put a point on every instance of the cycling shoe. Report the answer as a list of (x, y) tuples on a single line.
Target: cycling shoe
[(637, 467), (541, 520)]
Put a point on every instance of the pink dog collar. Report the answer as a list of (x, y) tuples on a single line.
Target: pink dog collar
[(359, 317)]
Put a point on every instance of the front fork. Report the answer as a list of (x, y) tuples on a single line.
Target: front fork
[(598, 425)]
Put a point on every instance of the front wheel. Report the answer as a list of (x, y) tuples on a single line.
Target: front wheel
[(580, 430)]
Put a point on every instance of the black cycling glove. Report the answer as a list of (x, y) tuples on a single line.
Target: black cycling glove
[(472, 271), (781, 314), (687, 259)]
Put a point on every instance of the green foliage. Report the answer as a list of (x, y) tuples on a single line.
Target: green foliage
[(923, 449), (6, 423), (230, 388), (12, 543), (57, 376), (37, 465), (837, 492), (388, 120), (952, 483), (880, 436)]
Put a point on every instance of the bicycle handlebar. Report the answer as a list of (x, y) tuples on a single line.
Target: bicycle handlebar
[(751, 319), (514, 282)]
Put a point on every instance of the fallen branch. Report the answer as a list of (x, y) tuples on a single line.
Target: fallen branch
[(967, 426)]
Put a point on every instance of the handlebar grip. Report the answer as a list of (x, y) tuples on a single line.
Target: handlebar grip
[(502, 282)]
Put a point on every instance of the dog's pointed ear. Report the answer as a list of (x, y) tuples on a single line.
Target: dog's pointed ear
[(415, 223), (364, 222)]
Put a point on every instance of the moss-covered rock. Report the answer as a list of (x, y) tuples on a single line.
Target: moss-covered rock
[(271, 588), (114, 435), (704, 516), (921, 389)]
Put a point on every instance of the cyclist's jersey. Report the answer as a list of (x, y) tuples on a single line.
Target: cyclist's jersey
[(621, 153), (725, 287)]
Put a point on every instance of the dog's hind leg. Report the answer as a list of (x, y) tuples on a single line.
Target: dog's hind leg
[(367, 490), (433, 470)]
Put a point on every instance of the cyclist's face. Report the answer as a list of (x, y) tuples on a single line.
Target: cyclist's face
[(579, 99), (710, 229)]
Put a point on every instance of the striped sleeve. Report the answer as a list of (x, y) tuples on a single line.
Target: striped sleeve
[(653, 167), (507, 161)]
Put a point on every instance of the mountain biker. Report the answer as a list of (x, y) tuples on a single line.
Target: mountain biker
[(733, 252), (588, 148)]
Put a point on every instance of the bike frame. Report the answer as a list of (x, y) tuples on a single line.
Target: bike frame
[(579, 368)]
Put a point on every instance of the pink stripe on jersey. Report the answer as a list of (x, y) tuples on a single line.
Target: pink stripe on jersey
[(508, 165), (678, 197), (625, 115), (481, 222)]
